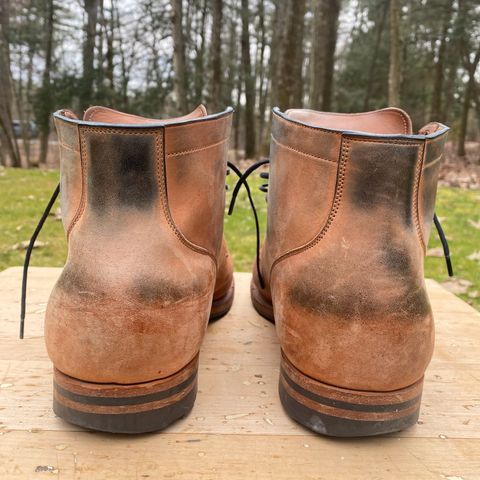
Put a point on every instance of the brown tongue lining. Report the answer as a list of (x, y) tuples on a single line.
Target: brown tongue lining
[(387, 121), (107, 115)]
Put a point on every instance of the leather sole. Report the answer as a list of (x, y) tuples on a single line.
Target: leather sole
[(261, 305), (222, 305), (136, 408), (340, 412)]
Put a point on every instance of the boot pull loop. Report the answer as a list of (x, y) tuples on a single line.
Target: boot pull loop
[(242, 180), (443, 239), (26, 264)]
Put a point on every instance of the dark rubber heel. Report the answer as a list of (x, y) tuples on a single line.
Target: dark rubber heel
[(340, 412), (136, 408)]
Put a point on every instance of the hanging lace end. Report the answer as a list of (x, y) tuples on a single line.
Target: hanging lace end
[(31, 244), (443, 240)]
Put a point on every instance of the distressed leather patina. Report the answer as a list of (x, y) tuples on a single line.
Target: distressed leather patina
[(142, 204), (350, 207)]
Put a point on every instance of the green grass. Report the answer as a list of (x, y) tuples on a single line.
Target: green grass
[(24, 194)]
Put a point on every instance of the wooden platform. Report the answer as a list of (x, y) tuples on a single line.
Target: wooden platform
[(237, 428)]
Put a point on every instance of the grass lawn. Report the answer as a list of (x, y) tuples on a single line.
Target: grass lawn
[(24, 194)]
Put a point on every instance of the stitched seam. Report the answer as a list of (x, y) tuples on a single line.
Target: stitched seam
[(300, 152), (162, 181), (120, 131), (68, 147), (433, 162), (416, 190), (83, 167), (387, 142), (308, 127), (199, 149), (173, 126), (333, 211)]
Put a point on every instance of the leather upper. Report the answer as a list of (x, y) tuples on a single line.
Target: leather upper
[(142, 204), (350, 208)]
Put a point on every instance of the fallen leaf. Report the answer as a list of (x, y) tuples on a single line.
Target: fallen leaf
[(474, 256), (474, 224), (435, 252), (457, 285), (236, 415), (24, 245)]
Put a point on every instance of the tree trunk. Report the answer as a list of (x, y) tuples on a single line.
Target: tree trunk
[(331, 31), (86, 88), (199, 81), (467, 99), (290, 87), (436, 109), (260, 74), (46, 101), (8, 140), (318, 54), (249, 84), (216, 52), (394, 70), (371, 71), (179, 62), (279, 27)]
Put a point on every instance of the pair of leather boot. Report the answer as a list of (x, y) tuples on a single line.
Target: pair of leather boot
[(350, 207)]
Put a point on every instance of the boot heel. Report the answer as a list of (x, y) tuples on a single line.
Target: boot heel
[(340, 412), (136, 408)]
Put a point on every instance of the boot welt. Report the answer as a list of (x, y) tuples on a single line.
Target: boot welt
[(339, 412), (221, 306), (134, 408), (261, 305)]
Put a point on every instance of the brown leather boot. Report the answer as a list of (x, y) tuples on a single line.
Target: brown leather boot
[(350, 207), (142, 205)]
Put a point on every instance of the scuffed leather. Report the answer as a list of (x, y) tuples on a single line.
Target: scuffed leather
[(70, 171), (350, 304), (133, 301)]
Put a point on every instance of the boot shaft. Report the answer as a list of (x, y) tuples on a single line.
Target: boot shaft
[(142, 205), (115, 173), (386, 178)]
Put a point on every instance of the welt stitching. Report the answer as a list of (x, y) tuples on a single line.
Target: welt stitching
[(416, 188), (333, 211), (199, 149), (83, 167), (162, 180), (316, 157)]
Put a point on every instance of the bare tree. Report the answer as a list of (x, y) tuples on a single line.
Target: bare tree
[(394, 71), (331, 31), (91, 8), (179, 56), (46, 100), (249, 83), (8, 139), (317, 55), (216, 52)]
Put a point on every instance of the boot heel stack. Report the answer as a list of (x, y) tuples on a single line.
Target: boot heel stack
[(340, 412), (136, 408)]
